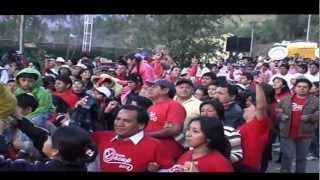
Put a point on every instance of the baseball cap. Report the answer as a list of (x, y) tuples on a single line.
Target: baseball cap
[(165, 83)]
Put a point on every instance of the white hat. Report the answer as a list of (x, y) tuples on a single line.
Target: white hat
[(60, 59), (82, 66), (105, 91)]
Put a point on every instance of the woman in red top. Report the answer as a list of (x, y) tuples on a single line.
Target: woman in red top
[(281, 88), (255, 132), (209, 150)]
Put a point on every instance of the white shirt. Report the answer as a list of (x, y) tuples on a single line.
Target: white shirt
[(136, 138), (4, 76), (312, 78)]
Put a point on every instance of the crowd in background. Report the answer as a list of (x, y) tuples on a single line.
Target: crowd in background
[(142, 113)]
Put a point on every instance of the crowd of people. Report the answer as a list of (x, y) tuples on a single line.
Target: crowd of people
[(152, 115)]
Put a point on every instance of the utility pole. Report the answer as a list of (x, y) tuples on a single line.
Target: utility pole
[(21, 33), (252, 33), (308, 29)]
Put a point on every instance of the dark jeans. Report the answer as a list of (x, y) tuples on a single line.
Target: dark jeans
[(314, 146), (291, 148)]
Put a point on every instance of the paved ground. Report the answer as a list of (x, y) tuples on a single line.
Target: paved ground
[(312, 166)]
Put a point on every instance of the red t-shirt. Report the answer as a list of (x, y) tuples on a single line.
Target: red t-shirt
[(161, 113), (193, 70), (254, 138), (297, 106), (68, 96), (125, 156), (211, 162), (158, 69)]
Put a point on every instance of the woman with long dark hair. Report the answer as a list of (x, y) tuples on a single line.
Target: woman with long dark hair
[(215, 110), (209, 151), (281, 88)]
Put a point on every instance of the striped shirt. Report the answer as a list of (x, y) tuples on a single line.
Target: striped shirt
[(234, 138)]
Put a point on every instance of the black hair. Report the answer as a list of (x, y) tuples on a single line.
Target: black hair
[(211, 75), (203, 89), (65, 79), (28, 75), (137, 59), (303, 80), (213, 131), (142, 114), (48, 82), (68, 71), (231, 89), (122, 62), (304, 67), (266, 65), (285, 88), (248, 75), (26, 100), (244, 95), (285, 65), (82, 70), (11, 80), (184, 81), (314, 63), (269, 93), (218, 106), (135, 78), (316, 83), (74, 144), (140, 100)]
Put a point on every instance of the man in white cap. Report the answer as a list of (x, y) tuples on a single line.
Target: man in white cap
[(59, 61)]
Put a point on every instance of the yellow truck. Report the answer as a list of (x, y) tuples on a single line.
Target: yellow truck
[(302, 49)]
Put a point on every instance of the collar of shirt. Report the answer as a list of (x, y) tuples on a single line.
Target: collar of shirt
[(136, 138), (191, 99)]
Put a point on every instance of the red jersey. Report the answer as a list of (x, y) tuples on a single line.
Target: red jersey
[(297, 106), (68, 96), (162, 113), (211, 162), (126, 156), (254, 138)]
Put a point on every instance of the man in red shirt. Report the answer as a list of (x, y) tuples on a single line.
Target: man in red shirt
[(299, 119), (166, 117), (128, 149)]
